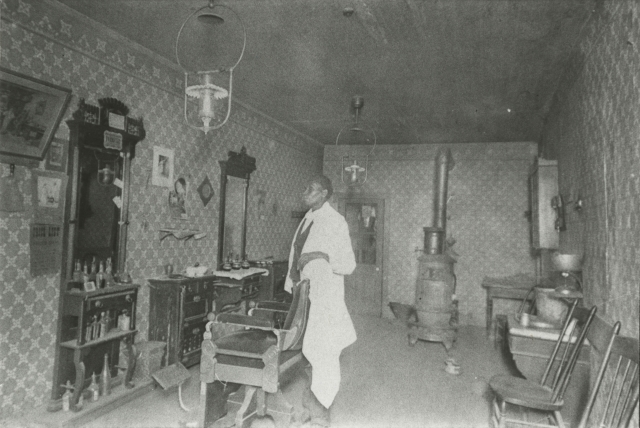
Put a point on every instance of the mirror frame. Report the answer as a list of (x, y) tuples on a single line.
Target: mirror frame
[(89, 129), (106, 128), (239, 165)]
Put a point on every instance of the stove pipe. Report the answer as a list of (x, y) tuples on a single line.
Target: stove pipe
[(444, 164), (434, 236)]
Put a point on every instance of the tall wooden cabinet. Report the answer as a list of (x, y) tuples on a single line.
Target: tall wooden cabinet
[(543, 186)]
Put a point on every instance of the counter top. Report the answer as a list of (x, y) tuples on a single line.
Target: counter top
[(551, 334)]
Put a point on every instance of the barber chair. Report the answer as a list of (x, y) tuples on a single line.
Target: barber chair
[(263, 356)]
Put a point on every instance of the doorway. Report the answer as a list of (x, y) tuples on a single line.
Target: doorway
[(365, 218)]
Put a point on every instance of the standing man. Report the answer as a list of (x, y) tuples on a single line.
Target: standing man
[(321, 251)]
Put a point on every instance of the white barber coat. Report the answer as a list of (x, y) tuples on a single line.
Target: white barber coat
[(330, 328)]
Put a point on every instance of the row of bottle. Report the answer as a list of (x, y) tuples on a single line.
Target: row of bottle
[(98, 327), (101, 274), (94, 390)]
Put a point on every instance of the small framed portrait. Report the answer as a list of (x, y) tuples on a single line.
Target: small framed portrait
[(162, 172), (177, 199), (49, 189), (30, 112), (90, 286), (57, 155)]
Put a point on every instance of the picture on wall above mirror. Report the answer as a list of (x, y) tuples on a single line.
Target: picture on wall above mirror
[(162, 172)]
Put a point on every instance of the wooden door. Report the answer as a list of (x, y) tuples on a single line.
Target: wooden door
[(363, 288)]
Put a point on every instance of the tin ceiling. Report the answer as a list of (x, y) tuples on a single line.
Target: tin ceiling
[(430, 71)]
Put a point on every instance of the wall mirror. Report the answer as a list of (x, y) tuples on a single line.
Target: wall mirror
[(97, 229), (102, 144), (235, 173)]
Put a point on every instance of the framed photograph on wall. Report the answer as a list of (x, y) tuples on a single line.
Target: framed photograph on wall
[(162, 172), (57, 155), (178, 199), (49, 189), (30, 112)]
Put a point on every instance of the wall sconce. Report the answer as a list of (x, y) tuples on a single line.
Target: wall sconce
[(557, 203), (207, 83), (356, 174)]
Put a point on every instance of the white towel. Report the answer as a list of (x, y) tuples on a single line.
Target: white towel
[(329, 329)]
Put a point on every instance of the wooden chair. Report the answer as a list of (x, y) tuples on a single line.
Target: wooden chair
[(263, 356), (615, 388), (516, 399)]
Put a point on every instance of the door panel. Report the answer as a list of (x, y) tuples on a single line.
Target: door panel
[(363, 288)]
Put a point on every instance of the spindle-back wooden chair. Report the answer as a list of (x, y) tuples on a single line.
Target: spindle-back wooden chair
[(614, 394), (516, 398)]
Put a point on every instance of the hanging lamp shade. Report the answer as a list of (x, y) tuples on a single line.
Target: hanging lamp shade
[(209, 46), (353, 171)]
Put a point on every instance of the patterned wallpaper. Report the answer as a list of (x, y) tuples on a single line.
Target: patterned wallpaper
[(487, 200), (593, 133), (45, 40)]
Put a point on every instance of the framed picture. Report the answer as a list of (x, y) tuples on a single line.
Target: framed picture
[(30, 112), (178, 198), (90, 286), (49, 188), (162, 172), (57, 155)]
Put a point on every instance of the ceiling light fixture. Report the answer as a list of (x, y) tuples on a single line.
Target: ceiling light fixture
[(356, 174), (207, 83)]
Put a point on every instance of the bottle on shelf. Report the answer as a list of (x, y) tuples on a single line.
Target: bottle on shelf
[(105, 377), (124, 321), (94, 270), (66, 397), (104, 324), (85, 273), (94, 388), (100, 276), (77, 272), (108, 273), (88, 333), (95, 328)]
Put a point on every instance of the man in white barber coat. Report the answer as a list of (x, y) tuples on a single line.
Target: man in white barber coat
[(321, 251)]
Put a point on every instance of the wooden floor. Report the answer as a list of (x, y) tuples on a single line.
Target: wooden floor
[(385, 383)]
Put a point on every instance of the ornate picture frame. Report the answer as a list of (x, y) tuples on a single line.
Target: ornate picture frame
[(30, 112)]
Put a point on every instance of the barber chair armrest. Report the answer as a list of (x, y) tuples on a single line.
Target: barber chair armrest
[(274, 306), (245, 321)]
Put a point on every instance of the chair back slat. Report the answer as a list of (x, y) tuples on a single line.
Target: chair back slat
[(582, 319), (612, 390), (552, 358), (620, 364)]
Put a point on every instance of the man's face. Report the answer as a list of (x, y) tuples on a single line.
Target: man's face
[(314, 195)]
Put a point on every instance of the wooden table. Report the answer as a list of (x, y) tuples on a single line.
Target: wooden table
[(504, 288)]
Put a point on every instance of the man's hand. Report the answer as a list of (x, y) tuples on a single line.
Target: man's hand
[(307, 257)]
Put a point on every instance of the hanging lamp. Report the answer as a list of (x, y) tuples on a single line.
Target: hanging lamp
[(207, 83), (352, 172)]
